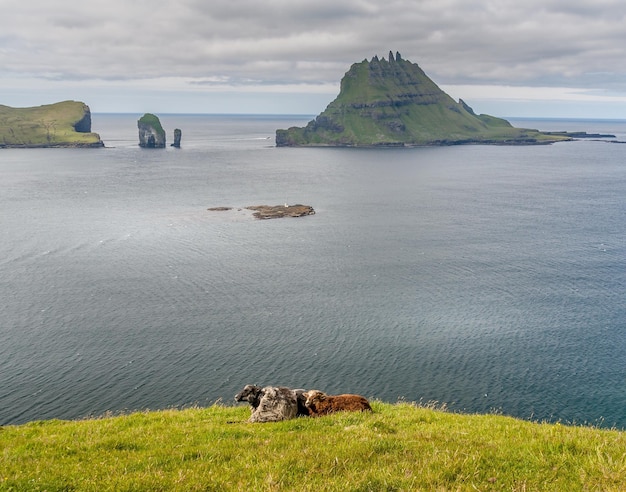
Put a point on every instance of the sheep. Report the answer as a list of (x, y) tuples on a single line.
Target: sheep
[(272, 403), (303, 410), (250, 393), (319, 403)]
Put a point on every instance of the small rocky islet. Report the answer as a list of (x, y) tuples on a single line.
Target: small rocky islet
[(264, 212)]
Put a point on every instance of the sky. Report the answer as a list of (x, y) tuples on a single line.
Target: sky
[(508, 58)]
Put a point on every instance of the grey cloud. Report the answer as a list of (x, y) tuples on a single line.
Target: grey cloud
[(549, 42)]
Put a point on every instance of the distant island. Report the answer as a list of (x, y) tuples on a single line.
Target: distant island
[(62, 124), (392, 102)]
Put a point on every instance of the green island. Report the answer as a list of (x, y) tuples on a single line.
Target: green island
[(398, 447), (62, 124), (394, 103), (151, 132)]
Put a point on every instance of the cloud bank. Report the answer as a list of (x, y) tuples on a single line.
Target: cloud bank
[(118, 51)]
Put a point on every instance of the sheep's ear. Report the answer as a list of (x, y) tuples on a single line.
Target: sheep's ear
[(322, 397)]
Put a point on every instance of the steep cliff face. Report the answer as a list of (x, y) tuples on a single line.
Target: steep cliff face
[(84, 124), (392, 102), (151, 133)]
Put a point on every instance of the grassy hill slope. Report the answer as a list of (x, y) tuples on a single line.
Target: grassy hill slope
[(398, 447), (393, 102), (63, 124)]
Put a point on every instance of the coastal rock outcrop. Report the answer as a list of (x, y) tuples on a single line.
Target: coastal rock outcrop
[(392, 102), (273, 211), (279, 211), (177, 137), (151, 133)]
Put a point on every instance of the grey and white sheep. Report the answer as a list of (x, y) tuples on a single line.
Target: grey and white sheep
[(273, 403)]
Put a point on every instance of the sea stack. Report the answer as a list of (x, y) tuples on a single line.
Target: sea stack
[(177, 136), (151, 133)]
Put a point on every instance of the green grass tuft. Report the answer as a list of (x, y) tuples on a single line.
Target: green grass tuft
[(153, 121), (397, 447)]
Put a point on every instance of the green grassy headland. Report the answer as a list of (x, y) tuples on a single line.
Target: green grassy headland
[(63, 124), (394, 103), (398, 447)]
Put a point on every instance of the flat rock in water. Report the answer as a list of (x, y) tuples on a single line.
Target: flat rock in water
[(279, 211), (272, 211)]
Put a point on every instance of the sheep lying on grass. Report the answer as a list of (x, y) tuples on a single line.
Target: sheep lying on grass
[(319, 403), (273, 403), (302, 408)]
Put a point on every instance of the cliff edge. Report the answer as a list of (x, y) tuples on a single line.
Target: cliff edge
[(392, 102)]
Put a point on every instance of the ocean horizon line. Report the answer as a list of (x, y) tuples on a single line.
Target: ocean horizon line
[(304, 115)]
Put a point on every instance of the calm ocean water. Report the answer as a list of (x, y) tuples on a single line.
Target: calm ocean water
[(488, 278)]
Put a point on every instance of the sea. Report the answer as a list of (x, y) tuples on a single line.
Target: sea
[(481, 279)]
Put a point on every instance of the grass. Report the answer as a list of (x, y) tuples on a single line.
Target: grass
[(153, 121), (51, 125), (398, 447)]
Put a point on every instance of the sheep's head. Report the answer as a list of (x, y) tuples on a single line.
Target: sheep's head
[(250, 393), (314, 396)]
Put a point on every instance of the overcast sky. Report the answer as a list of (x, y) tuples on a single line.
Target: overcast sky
[(535, 58)]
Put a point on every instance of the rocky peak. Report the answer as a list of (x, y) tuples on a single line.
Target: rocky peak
[(394, 58)]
